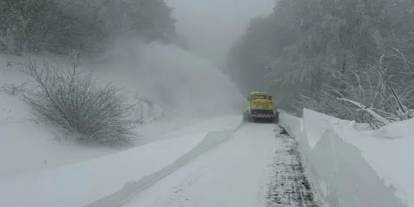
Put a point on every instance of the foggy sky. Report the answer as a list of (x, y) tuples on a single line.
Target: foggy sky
[(210, 27)]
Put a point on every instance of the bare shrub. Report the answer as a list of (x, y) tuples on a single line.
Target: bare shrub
[(73, 102), (376, 94), (367, 96)]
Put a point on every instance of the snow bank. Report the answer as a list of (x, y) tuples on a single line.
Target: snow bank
[(82, 183), (37, 167), (355, 168), (173, 127)]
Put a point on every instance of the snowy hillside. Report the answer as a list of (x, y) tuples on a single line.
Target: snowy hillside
[(25, 143), (88, 181), (37, 160), (159, 108)]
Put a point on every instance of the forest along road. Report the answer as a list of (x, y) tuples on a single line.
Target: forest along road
[(257, 166)]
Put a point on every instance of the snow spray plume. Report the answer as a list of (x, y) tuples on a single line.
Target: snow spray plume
[(181, 82)]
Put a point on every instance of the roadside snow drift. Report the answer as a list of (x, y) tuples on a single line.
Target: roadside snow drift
[(351, 167), (82, 183), (86, 182)]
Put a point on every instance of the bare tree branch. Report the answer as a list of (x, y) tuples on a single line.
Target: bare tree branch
[(366, 109)]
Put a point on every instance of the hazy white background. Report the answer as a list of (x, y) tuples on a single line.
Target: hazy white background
[(210, 27)]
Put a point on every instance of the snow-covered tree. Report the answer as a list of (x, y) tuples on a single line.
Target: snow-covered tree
[(60, 26), (306, 46)]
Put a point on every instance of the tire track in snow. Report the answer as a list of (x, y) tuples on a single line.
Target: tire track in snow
[(133, 188), (234, 174)]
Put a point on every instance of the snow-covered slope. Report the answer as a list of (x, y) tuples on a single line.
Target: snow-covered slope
[(193, 97), (85, 182), (25, 143), (79, 184), (356, 168), (173, 80)]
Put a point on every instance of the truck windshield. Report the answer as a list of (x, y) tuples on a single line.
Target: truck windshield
[(260, 97)]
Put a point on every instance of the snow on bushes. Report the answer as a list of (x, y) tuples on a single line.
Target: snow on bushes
[(73, 102), (353, 167), (375, 95)]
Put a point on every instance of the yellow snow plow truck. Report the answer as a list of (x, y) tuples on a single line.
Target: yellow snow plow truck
[(261, 108)]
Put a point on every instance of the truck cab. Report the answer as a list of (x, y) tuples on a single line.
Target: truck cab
[(261, 108)]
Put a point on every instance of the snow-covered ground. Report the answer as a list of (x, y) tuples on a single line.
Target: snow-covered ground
[(355, 167), (25, 143), (82, 183), (78, 184), (254, 165), (234, 174), (39, 162), (28, 145), (180, 158), (190, 149)]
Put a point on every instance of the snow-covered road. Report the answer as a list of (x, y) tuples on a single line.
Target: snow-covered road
[(235, 173), (251, 167), (239, 165)]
